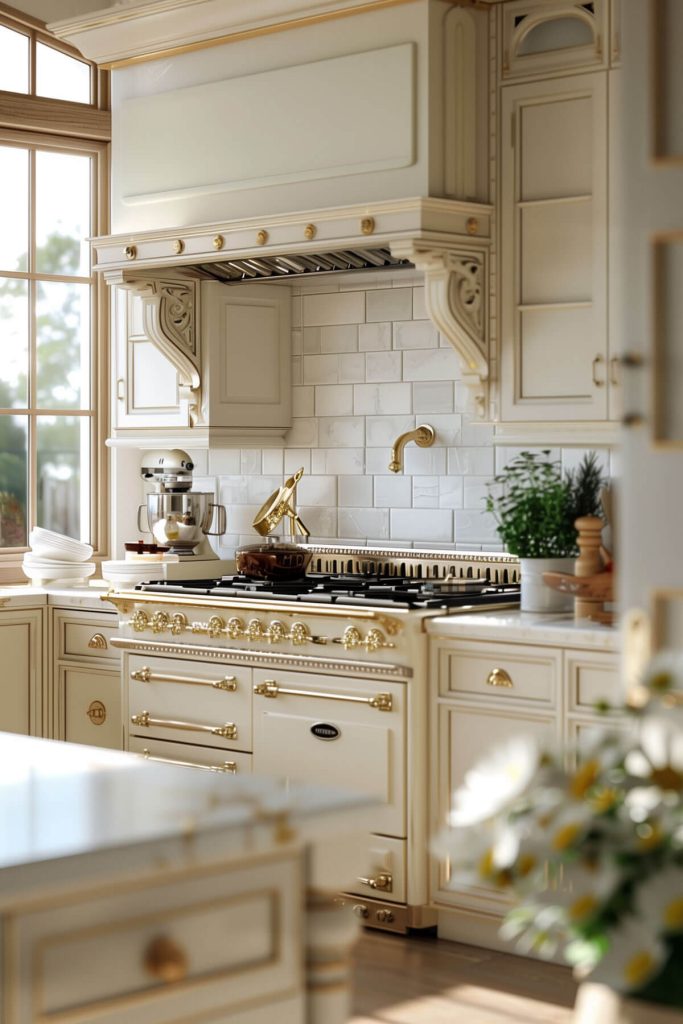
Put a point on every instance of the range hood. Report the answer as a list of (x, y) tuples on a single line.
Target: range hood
[(289, 144)]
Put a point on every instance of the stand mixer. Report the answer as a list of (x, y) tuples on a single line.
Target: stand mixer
[(180, 518)]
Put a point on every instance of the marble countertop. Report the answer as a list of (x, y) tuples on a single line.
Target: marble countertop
[(60, 802), (561, 630), (88, 595)]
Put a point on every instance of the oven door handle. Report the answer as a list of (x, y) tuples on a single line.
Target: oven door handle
[(227, 766), (269, 688), (144, 719), (146, 675)]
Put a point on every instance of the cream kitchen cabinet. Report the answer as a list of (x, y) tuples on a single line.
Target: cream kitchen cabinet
[(185, 363), (85, 695), (23, 672)]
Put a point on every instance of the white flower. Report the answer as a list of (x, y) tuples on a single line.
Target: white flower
[(659, 900), (494, 782), (561, 831), (633, 958), (660, 758), (664, 672), (583, 890)]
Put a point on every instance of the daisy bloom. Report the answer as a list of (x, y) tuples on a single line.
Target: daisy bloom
[(660, 757), (495, 782), (664, 672), (585, 887), (659, 900), (633, 958)]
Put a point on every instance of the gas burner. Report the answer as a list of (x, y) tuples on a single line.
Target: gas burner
[(351, 589)]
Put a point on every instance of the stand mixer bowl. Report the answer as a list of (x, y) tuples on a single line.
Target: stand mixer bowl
[(181, 520)]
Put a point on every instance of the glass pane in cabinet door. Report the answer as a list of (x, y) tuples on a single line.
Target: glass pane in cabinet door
[(60, 76), (63, 345), (62, 213), (13, 481), (63, 459), (13, 60), (13, 343), (14, 208)]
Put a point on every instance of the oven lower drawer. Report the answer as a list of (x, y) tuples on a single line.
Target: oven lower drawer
[(230, 762), (336, 731), (385, 870)]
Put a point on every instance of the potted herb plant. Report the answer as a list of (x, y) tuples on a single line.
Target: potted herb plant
[(535, 506)]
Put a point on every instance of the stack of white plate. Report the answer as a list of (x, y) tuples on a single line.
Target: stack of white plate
[(123, 571), (57, 560)]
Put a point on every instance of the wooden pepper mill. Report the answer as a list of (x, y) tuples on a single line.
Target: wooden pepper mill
[(589, 563)]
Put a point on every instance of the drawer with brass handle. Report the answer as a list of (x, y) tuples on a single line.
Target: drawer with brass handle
[(192, 755), (172, 691), (385, 878), (498, 671), (84, 636)]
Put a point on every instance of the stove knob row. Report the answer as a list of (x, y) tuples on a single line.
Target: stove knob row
[(374, 640), (159, 622)]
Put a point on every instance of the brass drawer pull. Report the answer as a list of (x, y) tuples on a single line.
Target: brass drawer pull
[(499, 677), (269, 688), (384, 882), (144, 719), (98, 642), (598, 381), (145, 675), (165, 960), (227, 766)]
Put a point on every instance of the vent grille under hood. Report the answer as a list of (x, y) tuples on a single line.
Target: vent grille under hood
[(269, 267)]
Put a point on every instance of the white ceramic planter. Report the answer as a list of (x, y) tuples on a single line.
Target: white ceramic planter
[(597, 1004), (536, 596)]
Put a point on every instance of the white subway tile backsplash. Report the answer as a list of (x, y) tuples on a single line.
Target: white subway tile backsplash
[(318, 490), (425, 492), (303, 433), (448, 429), (426, 524), (311, 340), (303, 401), (338, 460), (433, 396), (355, 491), (352, 368), (466, 461), (273, 461), (339, 339), (371, 399), (424, 461), (334, 400), (368, 523), (432, 364), (476, 491), (377, 460), (384, 430), (334, 308), (321, 369), (475, 528), (393, 491), (389, 304), (295, 459), (415, 335), (451, 492), (341, 431), (374, 337), (419, 306), (224, 461), (322, 522), (383, 366), (251, 462), (476, 433)]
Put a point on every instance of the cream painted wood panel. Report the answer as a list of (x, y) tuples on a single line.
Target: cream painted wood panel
[(554, 354), (592, 678), (285, 745), (384, 856), (214, 698), (501, 672), (85, 635), (90, 701), (238, 931), (21, 655), (231, 762)]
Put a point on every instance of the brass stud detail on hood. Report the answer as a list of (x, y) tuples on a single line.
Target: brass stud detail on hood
[(310, 231), (178, 246), (130, 252), (262, 237), (218, 242), (472, 226), (367, 225)]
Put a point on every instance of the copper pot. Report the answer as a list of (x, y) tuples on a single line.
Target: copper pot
[(273, 561)]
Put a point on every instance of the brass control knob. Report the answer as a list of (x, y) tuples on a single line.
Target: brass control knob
[(165, 960)]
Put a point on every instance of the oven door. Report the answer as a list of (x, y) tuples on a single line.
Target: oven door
[(334, 730)]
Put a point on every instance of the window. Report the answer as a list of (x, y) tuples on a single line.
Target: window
[(52, 167)]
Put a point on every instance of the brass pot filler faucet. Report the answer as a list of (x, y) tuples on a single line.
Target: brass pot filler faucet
[(423, 436)]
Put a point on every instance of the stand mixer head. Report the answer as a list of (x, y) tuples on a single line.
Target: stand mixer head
[(177, 516)]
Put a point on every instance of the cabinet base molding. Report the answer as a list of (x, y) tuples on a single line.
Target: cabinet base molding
[(579, 435)]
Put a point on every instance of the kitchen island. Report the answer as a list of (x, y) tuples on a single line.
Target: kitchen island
[(131, 891)]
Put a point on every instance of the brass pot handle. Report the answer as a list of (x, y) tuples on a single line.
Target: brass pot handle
[(499, 677)]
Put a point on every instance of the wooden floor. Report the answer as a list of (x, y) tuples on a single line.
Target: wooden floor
[(430, 981)]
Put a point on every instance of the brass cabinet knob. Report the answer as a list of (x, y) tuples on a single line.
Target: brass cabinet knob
[(178, 246), (97, 712), (367, 225), (360, 910), (218, 242), (130, 252), (472, 226), (310, 232), (262, 237), (499, 677), (165, 960)]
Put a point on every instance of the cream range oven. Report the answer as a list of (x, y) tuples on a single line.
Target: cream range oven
[(325, 679)]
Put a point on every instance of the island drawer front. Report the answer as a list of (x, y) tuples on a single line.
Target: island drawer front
[(213, 697), (230, 762), (183, 950), (385, 870), (501, 671), (85, 636), (593, 679), (92, 705)]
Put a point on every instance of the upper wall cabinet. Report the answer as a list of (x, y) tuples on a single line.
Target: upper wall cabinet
[(542, 37)]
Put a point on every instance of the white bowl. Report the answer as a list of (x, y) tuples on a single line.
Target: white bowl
[(48, 544), (123, 571), (42, 571)]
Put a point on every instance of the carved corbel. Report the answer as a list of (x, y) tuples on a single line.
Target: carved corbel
[(455, 295), (170, 321)]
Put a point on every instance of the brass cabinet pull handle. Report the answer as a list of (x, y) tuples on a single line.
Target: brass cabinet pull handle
[(269, 688), (614, 364), (98, 642), (352, 637), (144, 719), (145, 675), (598, 381), (384, 881), (227, 766), (499, 677), (165, 960)]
